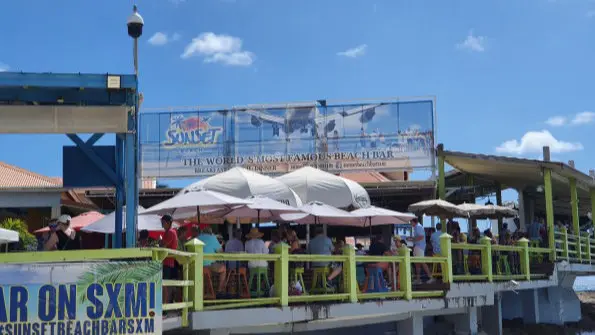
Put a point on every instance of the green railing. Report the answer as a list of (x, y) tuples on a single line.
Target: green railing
[(574, 248), (197, 292)]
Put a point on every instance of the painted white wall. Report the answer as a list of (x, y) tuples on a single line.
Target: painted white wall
[(9, 199)]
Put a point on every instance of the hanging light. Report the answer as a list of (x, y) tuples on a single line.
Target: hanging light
[(488, 203)]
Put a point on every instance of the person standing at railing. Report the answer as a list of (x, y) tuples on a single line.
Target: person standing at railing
[(255, 245), (212, 246), (502, 233), (320, 245), (234, 246), (435, 240), (169, 241), (535, 230), (419, 250)]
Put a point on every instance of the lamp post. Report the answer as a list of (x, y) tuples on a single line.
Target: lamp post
[(135, 25)]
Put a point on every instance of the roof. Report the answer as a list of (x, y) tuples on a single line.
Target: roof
[(513, 171), (521, 174), (15, 177)]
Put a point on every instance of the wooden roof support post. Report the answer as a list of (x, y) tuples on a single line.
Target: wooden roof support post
[(549, 204), (574, 210)]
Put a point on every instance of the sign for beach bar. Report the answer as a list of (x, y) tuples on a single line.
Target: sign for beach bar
[(81, 298), (378, 136)]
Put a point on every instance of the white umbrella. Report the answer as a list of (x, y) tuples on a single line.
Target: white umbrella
[(502, 212), (195, 203), (107, 224), (262, 208), (312, 184), (376, 216), (243, 183), (8, 236), (477, 211), (316, 212), (437, 207)]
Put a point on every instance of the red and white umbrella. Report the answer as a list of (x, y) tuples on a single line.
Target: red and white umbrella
[(78, 222), (316, 212), (263, 208), (194, 203), (376, 216)]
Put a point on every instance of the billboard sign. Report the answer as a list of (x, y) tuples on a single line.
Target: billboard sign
[(81, 298), (379, 136)]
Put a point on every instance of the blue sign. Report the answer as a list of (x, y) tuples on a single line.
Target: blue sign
[(382, 136), (81, 298)]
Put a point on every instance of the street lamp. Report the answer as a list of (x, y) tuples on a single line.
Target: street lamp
[(135, 25)]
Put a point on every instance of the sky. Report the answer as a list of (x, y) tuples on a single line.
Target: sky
[(509, 76)]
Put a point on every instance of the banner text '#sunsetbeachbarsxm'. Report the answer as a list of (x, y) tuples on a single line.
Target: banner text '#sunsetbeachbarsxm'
[(111, 309)]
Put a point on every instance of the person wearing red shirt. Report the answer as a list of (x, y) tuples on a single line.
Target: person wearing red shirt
[(170, 241)]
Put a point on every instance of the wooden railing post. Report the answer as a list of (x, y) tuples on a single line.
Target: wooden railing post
[(524, 257), (565, 252), (446, 251), (405, 272), (196, 292), (486, 258), (587, 246), (350, 273), (282, 274)]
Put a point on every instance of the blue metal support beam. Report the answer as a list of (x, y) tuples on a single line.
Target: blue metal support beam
[(88, 150), (117, 238), (131, 191), (94, 138)]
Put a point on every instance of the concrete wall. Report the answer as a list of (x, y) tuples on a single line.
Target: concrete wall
[(553, 305)]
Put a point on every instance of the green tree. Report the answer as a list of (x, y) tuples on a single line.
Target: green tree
[(20, 226)]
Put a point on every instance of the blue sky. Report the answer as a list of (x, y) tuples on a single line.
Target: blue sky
[(500, 69)]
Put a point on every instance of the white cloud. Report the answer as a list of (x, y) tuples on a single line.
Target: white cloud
[(556, 121), (219, 49), (534, 141), (473, 43), (583, 118), (4, 67), (241, 58), (159, 38), (358, 51)]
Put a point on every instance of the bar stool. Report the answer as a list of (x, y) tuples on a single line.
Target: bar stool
[(242, 279), (209, 293), (466, 264), (503, 265), (298, 277), (260, 274), (537, 257), (319, 275)]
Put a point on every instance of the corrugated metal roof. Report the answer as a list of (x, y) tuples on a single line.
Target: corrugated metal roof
[(16, 177), (365, 177)]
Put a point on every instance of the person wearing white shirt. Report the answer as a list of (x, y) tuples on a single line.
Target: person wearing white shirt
[(255, 245)]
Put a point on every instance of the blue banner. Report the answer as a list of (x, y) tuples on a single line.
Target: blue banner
[(81, 298), (379, 136)]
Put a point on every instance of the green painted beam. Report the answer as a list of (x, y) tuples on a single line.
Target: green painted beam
[(549, 210)]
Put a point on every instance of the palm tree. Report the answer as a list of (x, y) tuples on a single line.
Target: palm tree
[(118, 273), (29, 241)]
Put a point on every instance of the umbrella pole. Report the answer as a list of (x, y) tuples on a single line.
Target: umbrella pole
[(106, 241), (258, 218), (198, 215)]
